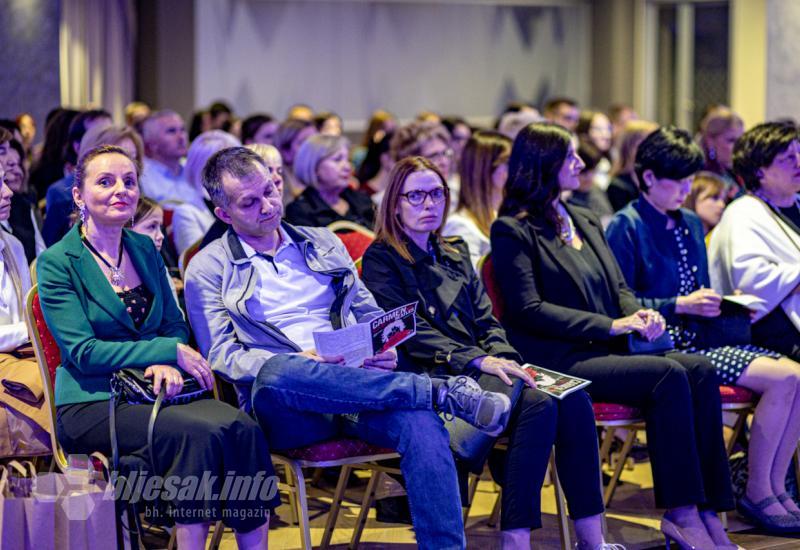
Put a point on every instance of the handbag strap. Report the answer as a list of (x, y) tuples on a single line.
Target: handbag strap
[(151, 426)]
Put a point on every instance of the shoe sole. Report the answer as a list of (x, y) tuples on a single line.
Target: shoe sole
[(504, 416)]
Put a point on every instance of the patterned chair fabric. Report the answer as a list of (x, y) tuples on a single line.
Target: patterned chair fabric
[(615, 411), (335, 449), (489, 282), (52, 354), (735, 394)]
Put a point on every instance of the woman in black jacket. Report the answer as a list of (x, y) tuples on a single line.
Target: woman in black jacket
[(566, 304), (410, 262)]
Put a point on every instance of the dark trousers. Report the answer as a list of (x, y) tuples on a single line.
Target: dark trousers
[(194, 441), (776, 332), (679, 397), (537, 423)]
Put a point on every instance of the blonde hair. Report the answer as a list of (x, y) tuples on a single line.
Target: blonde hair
[(703, 182), (628, 141)]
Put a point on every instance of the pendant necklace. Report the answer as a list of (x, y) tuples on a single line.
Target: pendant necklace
[(117, 277)]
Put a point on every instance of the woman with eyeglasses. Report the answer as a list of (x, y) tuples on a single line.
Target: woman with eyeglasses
[(568, 308), (456, 334)]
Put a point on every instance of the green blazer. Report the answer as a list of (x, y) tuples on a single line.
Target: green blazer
[(91, 325)]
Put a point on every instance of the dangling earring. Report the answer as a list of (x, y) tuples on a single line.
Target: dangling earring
[(712, 153), (133, 220), (82, 213)]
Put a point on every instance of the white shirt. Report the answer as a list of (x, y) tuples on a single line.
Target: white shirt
[(289, 295), (160, 184), (462, 225), (190, 223), (13, 331)]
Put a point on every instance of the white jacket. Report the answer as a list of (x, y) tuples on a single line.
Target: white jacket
[(753, 250)]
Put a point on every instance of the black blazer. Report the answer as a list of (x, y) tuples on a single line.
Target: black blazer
[(311, 210), (547, 315), (454, 315)]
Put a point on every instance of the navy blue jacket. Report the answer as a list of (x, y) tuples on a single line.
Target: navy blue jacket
[(645, 251)]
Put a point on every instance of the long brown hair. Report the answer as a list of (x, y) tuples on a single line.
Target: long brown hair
[(389, 228), (482, 154)]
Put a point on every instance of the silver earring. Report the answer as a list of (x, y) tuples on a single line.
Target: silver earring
[(712, 153), (133, 220), (82, 212)]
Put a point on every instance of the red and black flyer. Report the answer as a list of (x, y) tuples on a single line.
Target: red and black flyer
[(394, 327)]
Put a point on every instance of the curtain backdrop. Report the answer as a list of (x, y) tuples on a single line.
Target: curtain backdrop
[(97, 54)]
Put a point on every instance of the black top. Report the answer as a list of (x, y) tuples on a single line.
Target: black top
[(137, 302), (311, 210), (621, 191), (454, 314), (791, 215), (549, 315), (21, 223), (594, 282)]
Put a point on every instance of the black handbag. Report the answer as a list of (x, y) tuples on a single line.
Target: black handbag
[(730, 328), (639, 345)]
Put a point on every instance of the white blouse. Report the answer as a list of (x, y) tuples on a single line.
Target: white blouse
[(13, 331), (462, 225)]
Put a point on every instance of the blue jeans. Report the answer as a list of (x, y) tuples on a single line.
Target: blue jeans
[(300, 402)]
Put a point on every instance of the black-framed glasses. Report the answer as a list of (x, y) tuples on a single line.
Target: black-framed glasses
[(417, 197)]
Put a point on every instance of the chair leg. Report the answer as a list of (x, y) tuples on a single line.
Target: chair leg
[(741, 418), (366, 504), (561, 506), (471, 490), (216, 539), (623, 456), (302, 508), (292, 488), (173, 540), (494, 518), (605, 447), (333, 513)]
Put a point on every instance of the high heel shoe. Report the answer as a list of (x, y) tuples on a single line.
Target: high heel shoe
[(673, 533)]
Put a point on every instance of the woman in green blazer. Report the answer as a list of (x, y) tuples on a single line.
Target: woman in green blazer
[(107, 301)]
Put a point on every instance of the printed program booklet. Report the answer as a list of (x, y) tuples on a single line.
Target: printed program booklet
[(554, 383), (364, 340)]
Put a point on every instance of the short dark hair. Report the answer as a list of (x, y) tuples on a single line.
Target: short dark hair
[(590, 155), (239, 162), (758, 147), (77, 129), (252, 124), (5, 135), (554, 103), (669, 153), (537, 156)]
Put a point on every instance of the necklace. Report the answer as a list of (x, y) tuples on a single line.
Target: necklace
[(566, 227), (117, 277)]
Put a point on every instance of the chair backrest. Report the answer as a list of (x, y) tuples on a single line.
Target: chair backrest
[(187, 255), (486, 269), (356, 239), (32, 268), (48, 356)]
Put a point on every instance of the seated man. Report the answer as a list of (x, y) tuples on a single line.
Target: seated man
[(254, 298)]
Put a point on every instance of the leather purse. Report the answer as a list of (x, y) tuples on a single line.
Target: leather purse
[(639, 345)]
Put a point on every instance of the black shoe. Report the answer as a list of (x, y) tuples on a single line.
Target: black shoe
[(461, 396), (393, 510)]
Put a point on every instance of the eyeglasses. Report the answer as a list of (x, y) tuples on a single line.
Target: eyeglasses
[(445, 154), (418, 196)]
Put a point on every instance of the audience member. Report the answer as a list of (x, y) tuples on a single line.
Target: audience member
[(292, 133), (511, 123), (300, 111), (563, 111), (567, 302), (191, 221), (756, 246), (661, 251), (27, 128), (707, 199), (220, 116), (58, 218), (50, 165), (594, 130), (460, 131), (620, 115), (322, 166), (380, 123), (721, 128), (301, 281), (132, 321), (411, 262), (136, 112), (427, 139), (259, 128), (588, 194), (373, 174), (328, 123), (149, 220), (164, 137), (623, 187), (23, 221), (483, 172)]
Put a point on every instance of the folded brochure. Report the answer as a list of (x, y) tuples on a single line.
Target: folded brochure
[(364, 340), (557, 384)]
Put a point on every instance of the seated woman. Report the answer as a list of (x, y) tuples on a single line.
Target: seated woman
[(594, 133), (756, 246), (191, 221), (483, 171), (292, 133), (721, 127), (567, 302), (623, 187), (22, 393), (259, 128), (107, 301), (23, 221), (411, 262), (322, 166), (660, 249), (707, 199)]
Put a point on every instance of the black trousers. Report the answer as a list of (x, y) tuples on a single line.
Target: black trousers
[(679, 396), (537, 423), (204, 441), (776, 332)]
